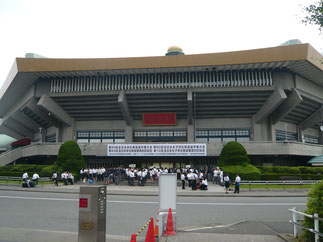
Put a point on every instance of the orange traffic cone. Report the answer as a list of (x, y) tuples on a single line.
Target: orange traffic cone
[(150, 233), (133, 238), (170, 224), (156, 232)]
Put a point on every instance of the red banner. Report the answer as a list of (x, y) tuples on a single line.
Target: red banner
[(159, 118)]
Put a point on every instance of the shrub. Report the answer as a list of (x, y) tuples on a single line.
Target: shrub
[(233, 153), (48, 170), (247, 172), (314, 205), (70, 157)]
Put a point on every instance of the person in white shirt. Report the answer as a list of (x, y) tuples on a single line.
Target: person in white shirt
[(194, 181), (237, 184), (54, 178), (25, 178), (132, 178), (204, 185), (226, 180), (183, 180), (70, 178), (139, 177), (35, 178), (189, 178), (215, 176)]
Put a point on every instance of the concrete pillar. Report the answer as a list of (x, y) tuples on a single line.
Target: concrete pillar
[(260, 131), (60, 132), (271, 131), (253, 128), (321, 137), (190, 132), (300, 136), (128, 134), (40, 135)]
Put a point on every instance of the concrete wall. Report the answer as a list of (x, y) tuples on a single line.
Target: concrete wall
[(284, 80), (282, 126), (309, 87), (224, 123), (28, 94), (100, 125)]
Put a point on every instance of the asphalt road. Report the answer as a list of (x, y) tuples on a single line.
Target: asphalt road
[(126, 214)]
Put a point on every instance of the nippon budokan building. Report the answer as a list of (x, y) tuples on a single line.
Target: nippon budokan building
[(169, 111)]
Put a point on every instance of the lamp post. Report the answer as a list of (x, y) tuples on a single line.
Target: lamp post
[(40, 135)]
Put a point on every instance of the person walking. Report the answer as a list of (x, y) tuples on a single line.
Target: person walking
[(183, 180), (226, 180), (54, 178), (237, 184)]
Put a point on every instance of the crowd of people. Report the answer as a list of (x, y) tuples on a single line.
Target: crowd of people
[(196, 178)]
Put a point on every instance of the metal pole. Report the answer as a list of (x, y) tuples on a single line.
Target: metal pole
[(284, 185), (316, 227), (294, 221), (249, 185), (267, 185)]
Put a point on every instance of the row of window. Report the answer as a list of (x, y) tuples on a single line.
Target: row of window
[(288, 136), (202, 135), (284, 135), (160, 136), (223, 135), (100, 136)]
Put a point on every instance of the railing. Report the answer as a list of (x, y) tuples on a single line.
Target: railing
[(20, 180), (282, 183), (316, 230)]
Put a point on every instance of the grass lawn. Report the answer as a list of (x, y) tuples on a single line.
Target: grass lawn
[(271, 186), (19, 182)]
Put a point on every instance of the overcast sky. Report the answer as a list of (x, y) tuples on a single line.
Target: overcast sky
[(129, 28)]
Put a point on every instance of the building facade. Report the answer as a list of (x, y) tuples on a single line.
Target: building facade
[(270, 100)]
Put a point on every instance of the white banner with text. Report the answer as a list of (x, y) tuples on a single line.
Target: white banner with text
[(156, 149)]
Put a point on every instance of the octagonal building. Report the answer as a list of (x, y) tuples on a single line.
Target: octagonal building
[(168, 111)]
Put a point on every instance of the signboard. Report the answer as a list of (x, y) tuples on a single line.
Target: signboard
[(158, 119), (167, 192), (156, 150)]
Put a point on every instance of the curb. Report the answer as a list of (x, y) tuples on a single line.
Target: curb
[(153, 193)]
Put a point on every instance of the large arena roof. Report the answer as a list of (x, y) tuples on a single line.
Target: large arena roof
[(302, 59)]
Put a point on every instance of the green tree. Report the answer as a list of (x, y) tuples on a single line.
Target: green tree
[(314, 205), (233, 153), (70, 157), (315, 14)]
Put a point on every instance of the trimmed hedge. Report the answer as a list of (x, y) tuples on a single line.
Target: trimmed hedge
[(18, 170), (11, 173), (70, 157), (247, 172), (233, 153), (291, 170)]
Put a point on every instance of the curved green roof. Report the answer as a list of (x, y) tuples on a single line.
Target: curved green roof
[(5, 140), (316, 161)]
